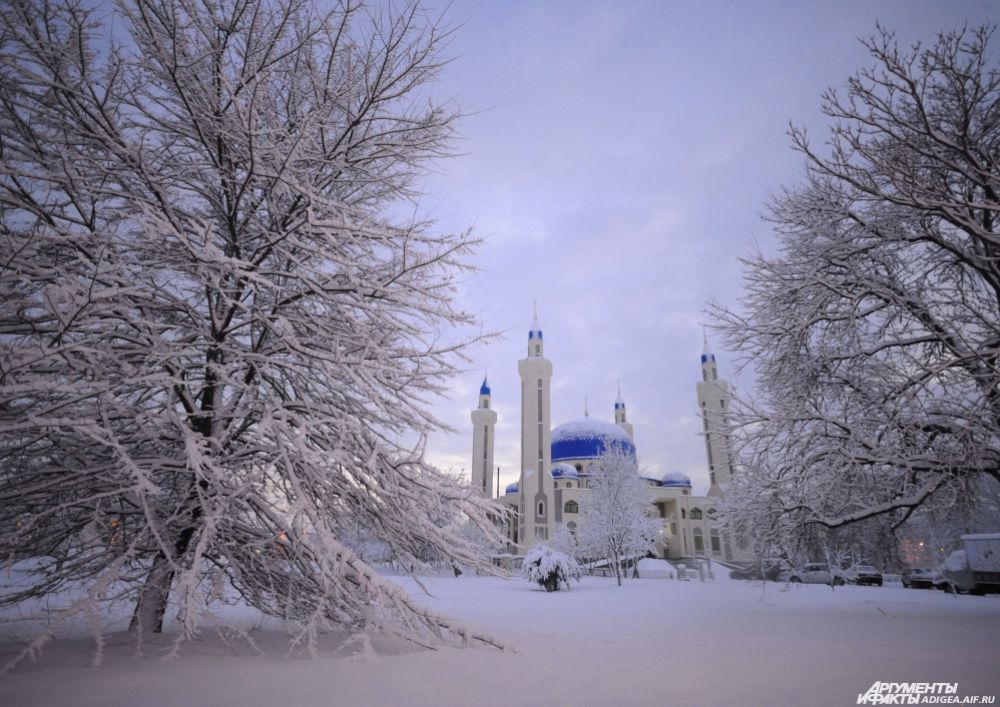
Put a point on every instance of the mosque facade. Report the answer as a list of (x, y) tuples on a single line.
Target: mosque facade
[(554, 482)]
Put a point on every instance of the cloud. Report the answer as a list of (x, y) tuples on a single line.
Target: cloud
[(617, 156)]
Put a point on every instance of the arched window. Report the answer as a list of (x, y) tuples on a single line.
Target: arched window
[(579, 467), (684, 514), (699, 541), (541, 508), (714, 540), (569, 484), (696, 514), (571, 507)]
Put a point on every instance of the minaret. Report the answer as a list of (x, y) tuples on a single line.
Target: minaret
[(713, 403), (620, 415), (536, 486), (484, 420)]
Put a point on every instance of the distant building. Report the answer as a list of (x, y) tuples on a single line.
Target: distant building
[(555, 464)]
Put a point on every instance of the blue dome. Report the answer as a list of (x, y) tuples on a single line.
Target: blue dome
[(675, 479), (588, 438), (484, 389), (511, 488), (564, 471)]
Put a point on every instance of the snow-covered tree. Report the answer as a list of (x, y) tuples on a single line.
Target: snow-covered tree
[(875, 329), (217, 345), (549, 568), (564, 540), (614, 518)]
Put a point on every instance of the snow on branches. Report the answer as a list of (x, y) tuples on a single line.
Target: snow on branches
[(614, 520), (549, 568), (875, 329), (217, 347)]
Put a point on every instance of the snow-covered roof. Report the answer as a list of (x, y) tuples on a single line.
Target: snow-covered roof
[(564, 471), (648, 476), (587, 438), (676, 479)]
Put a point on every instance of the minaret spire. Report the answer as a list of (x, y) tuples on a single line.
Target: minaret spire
[(620, 418), (709, 372), (535, 344)]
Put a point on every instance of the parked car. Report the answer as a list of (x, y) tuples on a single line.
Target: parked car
[(976, 567), (816, 573), (863, 574), (772, 572), (920, 578)]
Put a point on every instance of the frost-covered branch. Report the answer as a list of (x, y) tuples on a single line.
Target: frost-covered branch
[(217, 348), (875, 330)]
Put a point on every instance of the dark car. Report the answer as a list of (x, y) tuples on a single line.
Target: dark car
[(759, 571), (919, 578), (864, 574)]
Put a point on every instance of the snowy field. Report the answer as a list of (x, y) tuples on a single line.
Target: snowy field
[(651, 642)]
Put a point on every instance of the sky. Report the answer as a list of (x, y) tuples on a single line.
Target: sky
[(617, 157)]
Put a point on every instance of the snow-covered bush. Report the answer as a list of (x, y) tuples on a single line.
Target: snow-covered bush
[(549, 568)]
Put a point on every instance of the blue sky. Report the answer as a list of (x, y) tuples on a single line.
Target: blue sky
[(616, 158)]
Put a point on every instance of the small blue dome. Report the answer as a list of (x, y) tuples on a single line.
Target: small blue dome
[(675, 479), (588, 438), (484, 389), (511, 488), (535, 331), (564, 471)]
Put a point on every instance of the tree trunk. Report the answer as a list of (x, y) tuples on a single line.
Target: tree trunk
[(152, 604)]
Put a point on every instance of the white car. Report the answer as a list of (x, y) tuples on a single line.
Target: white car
[(816, 573)]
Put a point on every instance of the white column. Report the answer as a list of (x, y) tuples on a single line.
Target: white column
[(484, 422)]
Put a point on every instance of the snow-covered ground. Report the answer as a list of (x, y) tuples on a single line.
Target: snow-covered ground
[(650, 642)]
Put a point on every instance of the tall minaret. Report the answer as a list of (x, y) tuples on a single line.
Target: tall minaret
[(483, 422), (620, 415), (713, 402), (536, 486)]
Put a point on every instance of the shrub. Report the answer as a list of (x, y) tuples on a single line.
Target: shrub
[(549, 568)]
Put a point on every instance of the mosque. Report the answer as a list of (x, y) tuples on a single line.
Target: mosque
[(555, 465)]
